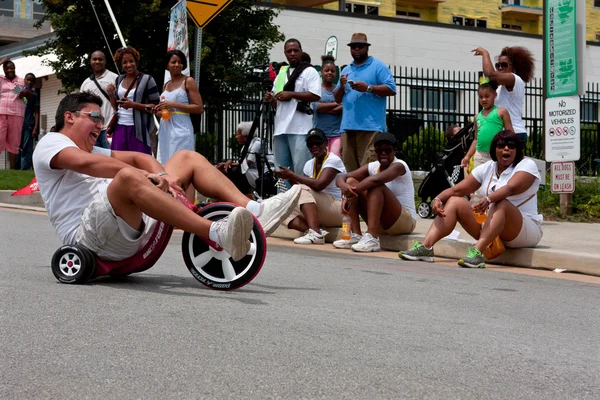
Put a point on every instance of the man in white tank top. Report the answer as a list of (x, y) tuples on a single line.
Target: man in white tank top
[(382, 192)]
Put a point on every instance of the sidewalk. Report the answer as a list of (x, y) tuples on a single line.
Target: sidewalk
[(565, 245)]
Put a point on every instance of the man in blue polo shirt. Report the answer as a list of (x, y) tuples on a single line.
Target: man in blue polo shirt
[(363, 87)]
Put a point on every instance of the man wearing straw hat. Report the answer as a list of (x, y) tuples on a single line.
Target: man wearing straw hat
[(363, 87)]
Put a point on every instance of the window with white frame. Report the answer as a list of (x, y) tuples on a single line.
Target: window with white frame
[(408, 14), (362, 9), (466, 21), (597, 3), (512, 2), (435, 100)]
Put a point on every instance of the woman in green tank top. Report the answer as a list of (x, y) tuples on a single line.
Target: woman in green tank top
[(488, 123)]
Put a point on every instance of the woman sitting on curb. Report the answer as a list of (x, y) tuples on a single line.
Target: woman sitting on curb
[(320, 200), (508, 185), (382, 192)]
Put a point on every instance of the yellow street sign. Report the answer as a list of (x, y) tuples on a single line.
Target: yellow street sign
[(202, 12)]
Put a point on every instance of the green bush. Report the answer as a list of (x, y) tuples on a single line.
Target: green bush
[(586, 201), (420, 150), (206, 144), (592, 208)]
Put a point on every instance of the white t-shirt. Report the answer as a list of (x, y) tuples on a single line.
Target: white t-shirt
[(66, 193), (486, 175), (334, 162), (125, 115), (402, 186), (89, 86), (513, 102), (251, 172), (287, 119)]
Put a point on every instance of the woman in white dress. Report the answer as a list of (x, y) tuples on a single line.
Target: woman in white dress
[(181, 98)]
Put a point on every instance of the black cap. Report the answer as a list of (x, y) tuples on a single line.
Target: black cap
[(384, 137), (316, 133)]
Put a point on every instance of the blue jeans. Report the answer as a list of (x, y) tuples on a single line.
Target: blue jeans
[(24, 158), (291, 151), (101, 141), (523, 139)]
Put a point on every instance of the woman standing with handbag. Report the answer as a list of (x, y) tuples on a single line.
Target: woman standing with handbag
[(134, 96), (508, 185), (180, 97)]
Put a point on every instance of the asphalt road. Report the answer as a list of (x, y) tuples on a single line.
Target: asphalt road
[(311, 325)]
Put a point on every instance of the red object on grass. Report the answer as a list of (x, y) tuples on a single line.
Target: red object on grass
[(29, 189)]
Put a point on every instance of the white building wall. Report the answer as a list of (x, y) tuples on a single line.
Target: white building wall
[(399, 42), (49, 100)]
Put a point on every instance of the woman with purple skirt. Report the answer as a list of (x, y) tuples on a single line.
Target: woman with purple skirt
[(133, 96)]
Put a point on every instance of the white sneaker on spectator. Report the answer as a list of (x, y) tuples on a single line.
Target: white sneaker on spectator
[(347, 244), (277, 208), (367, 244), (312, 237), (234, 232)]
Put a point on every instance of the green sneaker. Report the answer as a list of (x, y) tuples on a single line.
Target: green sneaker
[(417, 253), (473, 259)]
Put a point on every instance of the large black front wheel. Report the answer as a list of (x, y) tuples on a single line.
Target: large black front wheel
[(215, 268)]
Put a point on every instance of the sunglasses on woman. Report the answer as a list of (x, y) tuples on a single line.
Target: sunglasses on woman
[(509, 143), (502, 64)]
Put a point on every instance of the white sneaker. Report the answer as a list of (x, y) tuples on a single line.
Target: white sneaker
[(367, 244), (234, 231), (277, 208), (312, 237), (347, 244)]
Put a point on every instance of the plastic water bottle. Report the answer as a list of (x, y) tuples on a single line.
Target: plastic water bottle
[(346, 227), (164, 113)]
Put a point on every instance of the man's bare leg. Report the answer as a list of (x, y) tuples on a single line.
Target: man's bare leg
[(131, 194), (192, 167)]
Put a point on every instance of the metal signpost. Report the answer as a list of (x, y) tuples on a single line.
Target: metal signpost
[(562, 70)]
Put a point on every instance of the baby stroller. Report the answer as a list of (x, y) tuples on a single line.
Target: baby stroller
[(446, 172)]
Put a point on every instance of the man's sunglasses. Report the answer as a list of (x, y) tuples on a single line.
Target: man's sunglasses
[(95, 116), (357, 46), (312, 144), (509, 143), (384, 150), (502, 64)]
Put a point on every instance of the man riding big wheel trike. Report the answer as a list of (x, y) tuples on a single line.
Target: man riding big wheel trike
[(115, 210)]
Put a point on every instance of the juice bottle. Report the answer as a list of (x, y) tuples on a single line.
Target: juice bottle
[(346, 228), (164, 113)]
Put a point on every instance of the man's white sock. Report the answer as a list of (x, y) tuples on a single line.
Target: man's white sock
[(212, 234), (254, 207)]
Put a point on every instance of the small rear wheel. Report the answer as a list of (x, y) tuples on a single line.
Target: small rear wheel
[(215, 268), (424, 210), (73, 264)]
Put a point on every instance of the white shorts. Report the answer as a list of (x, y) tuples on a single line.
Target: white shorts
[(108, 235), (530, 235)]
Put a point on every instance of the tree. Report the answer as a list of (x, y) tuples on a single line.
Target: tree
[(236, 39)]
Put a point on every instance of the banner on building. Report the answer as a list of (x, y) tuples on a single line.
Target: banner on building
[(178, 34)]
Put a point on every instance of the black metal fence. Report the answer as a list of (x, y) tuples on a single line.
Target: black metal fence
[(426, 103)]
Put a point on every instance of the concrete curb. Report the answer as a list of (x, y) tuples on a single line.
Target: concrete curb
[(34, 199), (539, 257)]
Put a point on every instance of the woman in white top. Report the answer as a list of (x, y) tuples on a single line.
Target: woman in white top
[(514, 68), (320, 201), (508, 185), (382, 192), (181, 97)]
